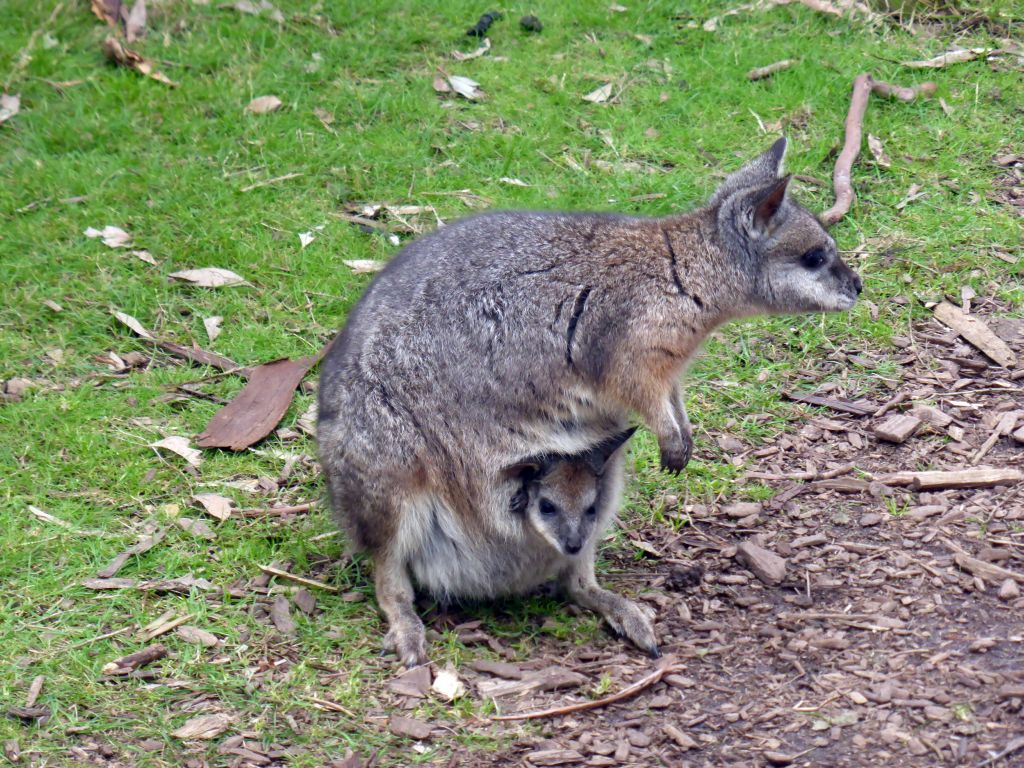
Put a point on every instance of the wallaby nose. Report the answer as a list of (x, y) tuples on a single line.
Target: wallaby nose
[(573, 544), (858, 284)]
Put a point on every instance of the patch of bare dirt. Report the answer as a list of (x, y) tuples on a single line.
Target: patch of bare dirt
[(896, 635)]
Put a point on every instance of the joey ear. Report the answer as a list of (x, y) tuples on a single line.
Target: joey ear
[(597, 457), (767, 204), (525, 471)]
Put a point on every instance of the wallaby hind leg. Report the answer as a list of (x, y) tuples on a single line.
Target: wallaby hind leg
[(625, 617), (406, 635)]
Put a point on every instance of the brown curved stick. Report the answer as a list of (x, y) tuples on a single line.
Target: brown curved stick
[(667, 666), (863, 86)]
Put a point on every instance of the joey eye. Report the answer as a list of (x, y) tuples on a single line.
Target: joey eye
[(547, 508), (813, 258), (591, 511)]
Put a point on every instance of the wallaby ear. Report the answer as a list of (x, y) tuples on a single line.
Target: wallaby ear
[(768, 203), (597, 457), (763, 169), (525, 471)]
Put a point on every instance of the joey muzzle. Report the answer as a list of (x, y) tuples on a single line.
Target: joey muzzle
[(572, 543)]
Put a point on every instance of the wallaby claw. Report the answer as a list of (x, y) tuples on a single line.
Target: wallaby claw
[(654, 652), (409, 645)]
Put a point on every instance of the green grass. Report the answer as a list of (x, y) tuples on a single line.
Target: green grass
[(169, 166)]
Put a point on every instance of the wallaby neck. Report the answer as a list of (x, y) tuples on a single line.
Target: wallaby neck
[(703, 270)]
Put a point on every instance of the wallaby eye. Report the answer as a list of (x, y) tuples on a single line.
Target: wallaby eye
[(591, 512), (813, 258), (547, 508)]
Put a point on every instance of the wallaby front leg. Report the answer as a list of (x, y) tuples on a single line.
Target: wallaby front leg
[(685, 433), (406, 635), (624, 616)]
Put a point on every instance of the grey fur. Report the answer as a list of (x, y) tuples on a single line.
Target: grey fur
[(509, 335)]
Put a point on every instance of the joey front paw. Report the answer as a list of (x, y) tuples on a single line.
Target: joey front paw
[(634, 622), (675, 453), (409, 643)]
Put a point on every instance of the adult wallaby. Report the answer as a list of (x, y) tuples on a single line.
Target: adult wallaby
[(515, 334)]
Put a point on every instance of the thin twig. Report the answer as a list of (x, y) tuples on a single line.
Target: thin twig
[(275, 511), (667, 666), (268, 182), (300, 579)]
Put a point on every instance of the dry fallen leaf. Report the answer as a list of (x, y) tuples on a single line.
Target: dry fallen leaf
[(263, 104), (132, 323), (216, 505), (447, 684), (212, 326), (135, 24), (9, 106), (108, 11), (364, 266), (204, 727), (878, 151), (441, 85), (307, 421), (113, 237), (599, 95), (126, 57), (616, 8), (180, 446), (325, 117), (196, 528), (145, 256), (305, 238), (513, 182), (258, 9), (210, 277), (950, 57), (465, 87), (485, 46), (191, 634)]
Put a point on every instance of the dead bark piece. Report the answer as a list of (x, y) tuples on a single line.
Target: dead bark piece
[(497, 668), (549, 679), (950, 57), (977, 332), (204, 727), (144, 544), (414, 682), (257, 409), (133, 661), (162, 625), (760, 73), (1005, 425), (34, 690), (554, 757), (667, 666), (863, 86), (281, 615), (202, 357), (683, 740), (1019, 435), (196, 635), (990, 571), (300, 579), (765, 564), (836, 404), (409, 727), (897, 428), (933, 416), (961, 478), (1009, 590)]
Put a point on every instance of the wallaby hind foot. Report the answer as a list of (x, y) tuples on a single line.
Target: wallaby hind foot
[(406, 635)]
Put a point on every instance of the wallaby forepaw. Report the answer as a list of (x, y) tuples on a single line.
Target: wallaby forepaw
[(409, 644), (674, 458)]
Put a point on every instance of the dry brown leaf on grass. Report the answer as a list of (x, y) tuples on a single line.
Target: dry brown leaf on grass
[(126, 57), (180, 446), (132, 323), (878, 152), (210, 277), (956, 56), (191, 634), (196, 527), (599, 95), (485, 46), (9, 106), (259, 9), (212, 326), (465, 87), (364, 266), (326, 118), (143, 255), (204, 727), (215, 505), (135, 24), (448, 685), (258, 408), (108, 11), (113, 237), (261, 105)]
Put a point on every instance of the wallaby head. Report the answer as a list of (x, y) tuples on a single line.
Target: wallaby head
[(559, 496), (791, 261)]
